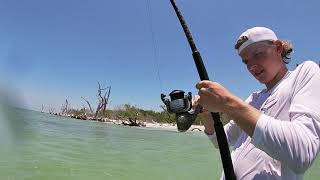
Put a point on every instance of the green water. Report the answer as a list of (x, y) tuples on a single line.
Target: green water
[(39, 146)]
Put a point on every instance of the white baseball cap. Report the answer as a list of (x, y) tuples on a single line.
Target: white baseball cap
[(255, 34)]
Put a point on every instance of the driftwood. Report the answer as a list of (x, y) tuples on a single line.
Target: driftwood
[(132, 123), (82, 117), (196, 129)]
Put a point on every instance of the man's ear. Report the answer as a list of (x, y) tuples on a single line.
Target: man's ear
[(279, 46)]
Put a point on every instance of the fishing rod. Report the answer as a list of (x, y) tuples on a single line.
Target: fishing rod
[(181, 104)]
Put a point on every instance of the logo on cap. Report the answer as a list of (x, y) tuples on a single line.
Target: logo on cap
[(240, 41)]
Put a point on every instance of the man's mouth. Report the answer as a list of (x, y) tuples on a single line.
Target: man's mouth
[(258, 73)]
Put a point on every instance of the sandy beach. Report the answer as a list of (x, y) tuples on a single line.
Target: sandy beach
[(155, 125)]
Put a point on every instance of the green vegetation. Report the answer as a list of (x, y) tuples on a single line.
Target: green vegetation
[(131, 112)]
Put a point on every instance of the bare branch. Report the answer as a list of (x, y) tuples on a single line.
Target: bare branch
[(91, 111), (103, 100), (106, 99), (51, 110), (65, 109)]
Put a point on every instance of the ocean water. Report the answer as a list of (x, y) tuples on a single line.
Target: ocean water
[(40, 146)]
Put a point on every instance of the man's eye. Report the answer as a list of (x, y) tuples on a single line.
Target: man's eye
[(259, 55)]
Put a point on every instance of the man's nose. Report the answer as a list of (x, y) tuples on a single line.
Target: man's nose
[(252, 67)]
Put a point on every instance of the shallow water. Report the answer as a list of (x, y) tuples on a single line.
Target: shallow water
[(40, 146)]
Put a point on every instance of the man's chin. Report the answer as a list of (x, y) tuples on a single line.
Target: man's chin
[(262, 81)]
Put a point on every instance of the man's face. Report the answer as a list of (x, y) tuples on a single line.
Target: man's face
[(263, 60)]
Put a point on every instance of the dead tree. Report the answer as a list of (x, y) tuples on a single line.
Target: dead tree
[(51, 111), (100, 99), (106, 100), (91, 111), (65, 109), (103, 100)]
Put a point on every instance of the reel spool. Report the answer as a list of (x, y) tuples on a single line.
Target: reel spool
[(181, 105)]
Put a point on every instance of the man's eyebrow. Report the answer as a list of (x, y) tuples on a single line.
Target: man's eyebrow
[(257, 51)]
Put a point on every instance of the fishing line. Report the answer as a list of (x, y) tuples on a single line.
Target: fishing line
[(154, 43)]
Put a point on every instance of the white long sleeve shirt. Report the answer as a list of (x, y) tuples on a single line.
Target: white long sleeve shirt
[(286, 137)]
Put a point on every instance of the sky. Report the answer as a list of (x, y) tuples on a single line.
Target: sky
[(56, 50)]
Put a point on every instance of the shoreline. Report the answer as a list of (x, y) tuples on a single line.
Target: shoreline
[(155, 125)]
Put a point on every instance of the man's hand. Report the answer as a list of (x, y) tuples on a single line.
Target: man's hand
[(205, 115), (216, 98)]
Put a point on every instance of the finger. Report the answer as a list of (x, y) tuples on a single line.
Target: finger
[(194, 102), (203, 84), (195, 98), (203, 92), (202, 96)]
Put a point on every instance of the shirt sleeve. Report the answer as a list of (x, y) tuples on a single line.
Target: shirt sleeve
[(232, 131), (296, 142)]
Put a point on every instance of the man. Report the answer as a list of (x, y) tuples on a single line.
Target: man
[(275, 132)]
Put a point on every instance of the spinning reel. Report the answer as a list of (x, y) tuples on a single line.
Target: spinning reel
[(181, 105)]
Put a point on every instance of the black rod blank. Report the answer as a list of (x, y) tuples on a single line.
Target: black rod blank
[(218, 126)]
